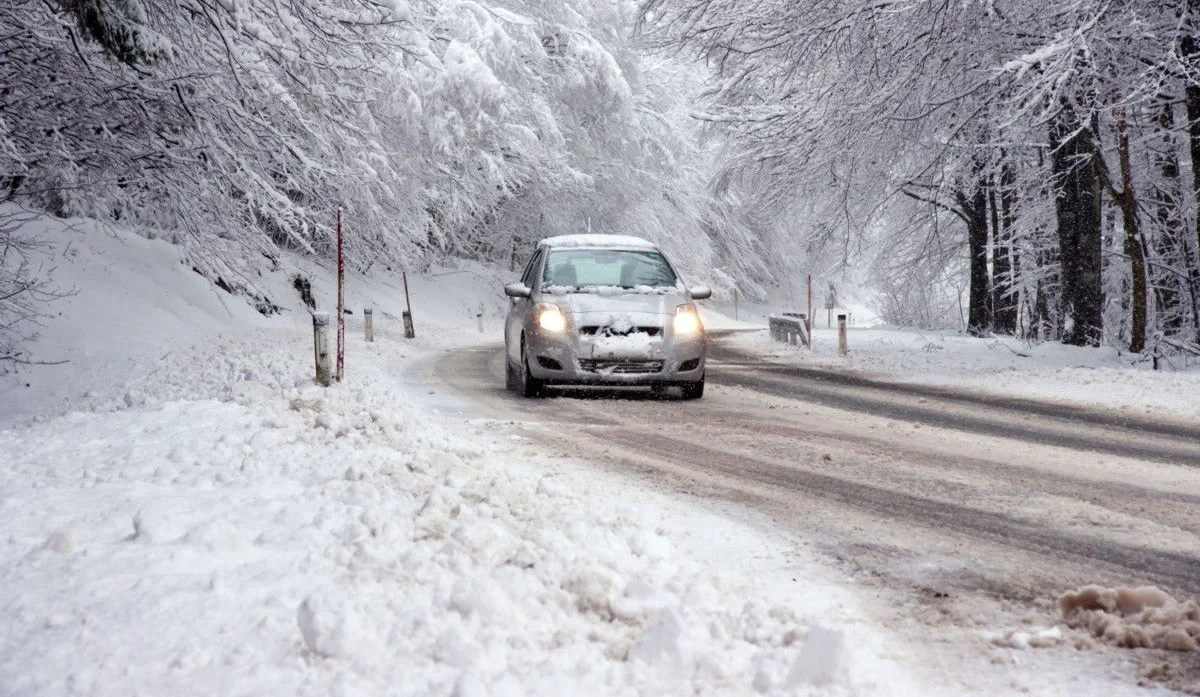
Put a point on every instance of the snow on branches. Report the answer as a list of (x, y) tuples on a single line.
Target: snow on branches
[(239, 127)]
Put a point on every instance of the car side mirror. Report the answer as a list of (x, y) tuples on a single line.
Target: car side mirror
[(700, 292), (518, 290)]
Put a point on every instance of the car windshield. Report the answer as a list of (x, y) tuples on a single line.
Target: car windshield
[(619, 268)]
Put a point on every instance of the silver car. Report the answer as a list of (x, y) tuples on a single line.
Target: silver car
[(603, 310)]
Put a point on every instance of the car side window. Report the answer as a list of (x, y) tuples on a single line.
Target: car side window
[(531, 269)]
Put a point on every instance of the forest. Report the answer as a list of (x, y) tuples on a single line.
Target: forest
[(1002, 167)]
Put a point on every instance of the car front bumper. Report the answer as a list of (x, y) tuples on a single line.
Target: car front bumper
[(569, 358)]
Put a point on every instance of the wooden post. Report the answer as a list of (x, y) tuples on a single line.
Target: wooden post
[(409, 331), (369, 324), (841, 334), (321, 347), (808, 323)]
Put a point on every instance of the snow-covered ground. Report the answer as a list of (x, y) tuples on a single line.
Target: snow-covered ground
[(265, 536), (187, 513)]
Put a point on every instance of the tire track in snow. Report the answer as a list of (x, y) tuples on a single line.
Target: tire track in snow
[(1076, 428), (1171, 570), (1168, 507)]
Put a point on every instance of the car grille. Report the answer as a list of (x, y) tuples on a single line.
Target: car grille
[(617, 366), (594, 329)]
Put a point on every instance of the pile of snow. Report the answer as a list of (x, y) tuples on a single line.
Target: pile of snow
[(1144, 617), (633, 344)]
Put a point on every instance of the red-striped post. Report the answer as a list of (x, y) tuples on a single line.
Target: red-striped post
[(808, 323), (409, 331), (341, 305)]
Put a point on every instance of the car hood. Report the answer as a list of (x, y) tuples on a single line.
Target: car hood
[(616, 303)]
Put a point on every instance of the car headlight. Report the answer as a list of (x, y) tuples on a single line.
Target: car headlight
[(551, 318), (687, 320)]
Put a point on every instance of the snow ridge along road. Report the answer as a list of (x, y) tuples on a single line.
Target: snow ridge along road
[(970, 504)]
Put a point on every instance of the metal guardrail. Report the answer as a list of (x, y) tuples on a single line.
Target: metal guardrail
[(790, 328)]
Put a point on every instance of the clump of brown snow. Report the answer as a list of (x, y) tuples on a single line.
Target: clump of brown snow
[(1144, 617)]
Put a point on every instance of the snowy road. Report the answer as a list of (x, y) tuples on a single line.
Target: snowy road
[(953, 503)]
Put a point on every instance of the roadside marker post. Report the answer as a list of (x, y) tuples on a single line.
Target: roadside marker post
[(808, 317), (409, 331), (369, 324), (341, 302), (842, 351), (321, 347)]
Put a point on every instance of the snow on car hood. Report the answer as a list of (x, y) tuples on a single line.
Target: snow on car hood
[(617, 301)]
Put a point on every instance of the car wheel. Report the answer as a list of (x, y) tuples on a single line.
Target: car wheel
[(693, 390), (530, 386)]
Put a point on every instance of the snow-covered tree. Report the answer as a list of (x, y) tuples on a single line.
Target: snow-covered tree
[(459, 127), (1025, 131)]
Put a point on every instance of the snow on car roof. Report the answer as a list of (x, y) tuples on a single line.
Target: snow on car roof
[(596, 240)]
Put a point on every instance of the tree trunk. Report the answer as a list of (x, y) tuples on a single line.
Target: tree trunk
[(974, 206), (1077, 213), (1170, 244), (1189, 47), (1127, 201), (1044, 324), (1004, 299)]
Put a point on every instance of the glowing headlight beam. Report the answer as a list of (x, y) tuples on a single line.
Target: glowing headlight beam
[(687, 320), (551, 318)]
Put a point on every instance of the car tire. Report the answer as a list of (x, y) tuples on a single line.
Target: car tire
[(693, 390), (511, 382), (530, 386)]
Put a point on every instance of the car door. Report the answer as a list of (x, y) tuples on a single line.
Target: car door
[(519, 309)]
